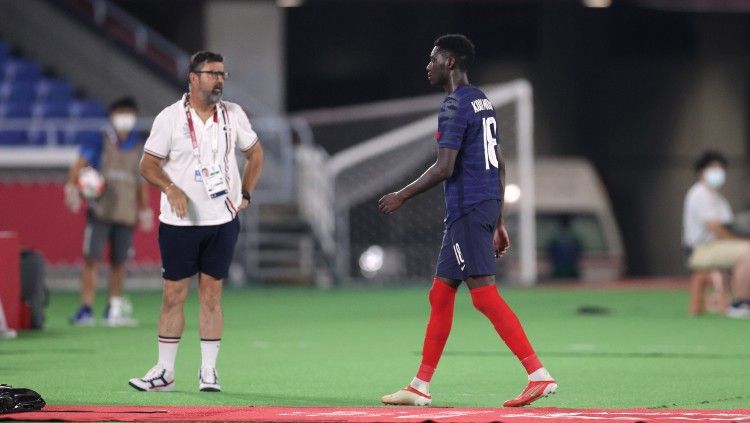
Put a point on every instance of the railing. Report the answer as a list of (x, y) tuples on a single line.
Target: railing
[(134, 34), (277, 134)]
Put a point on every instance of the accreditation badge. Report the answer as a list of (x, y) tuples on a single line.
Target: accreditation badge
[(213, 181)]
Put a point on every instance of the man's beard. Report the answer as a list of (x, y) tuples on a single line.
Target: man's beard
[(212, 97)]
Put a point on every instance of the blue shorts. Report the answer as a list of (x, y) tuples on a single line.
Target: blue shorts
[(187, 250), (467, 248)]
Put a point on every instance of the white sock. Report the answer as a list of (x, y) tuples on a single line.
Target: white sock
[(168, 351), (539, 375), (420, 385), (209, 351)]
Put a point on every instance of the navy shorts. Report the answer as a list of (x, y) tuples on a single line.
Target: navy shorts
[(187, 250), (467, 248)]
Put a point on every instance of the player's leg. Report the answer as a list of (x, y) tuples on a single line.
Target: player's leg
[(119, 309), (94, 239), (179, 247), (442, 298), (477, 251), (214, 265), (487, 299)]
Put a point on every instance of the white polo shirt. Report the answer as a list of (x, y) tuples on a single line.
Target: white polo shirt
[(170, 140), (702, 205)]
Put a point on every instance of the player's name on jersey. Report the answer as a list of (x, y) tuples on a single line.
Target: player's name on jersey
[(481, 104)]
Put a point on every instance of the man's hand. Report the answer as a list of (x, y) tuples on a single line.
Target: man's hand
[(389, 203), (244, 204), (72, 198), (500, 241), (177, 201)]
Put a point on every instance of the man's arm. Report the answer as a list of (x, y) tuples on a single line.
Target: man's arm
[(441, 170), (500, 239), (719, 230), (151, 170), (252, 171), (72, 198)]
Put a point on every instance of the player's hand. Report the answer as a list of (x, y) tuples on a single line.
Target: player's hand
[(389, 203), (177, 201), (72, 198), (244, 204), (146, 219), (500, 241)]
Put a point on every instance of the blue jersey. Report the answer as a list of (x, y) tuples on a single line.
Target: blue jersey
[(467, 123)]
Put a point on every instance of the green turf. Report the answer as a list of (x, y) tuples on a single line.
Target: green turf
[(349, 347)]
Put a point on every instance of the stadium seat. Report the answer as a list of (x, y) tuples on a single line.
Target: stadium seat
[(53, 90), (51, 109), (21, 91), (87, 109), (15, 109), (12, 138), (21, 70), (85, 137)]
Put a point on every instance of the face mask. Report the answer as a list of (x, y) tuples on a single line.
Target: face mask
[(715, 177), (123, 122)]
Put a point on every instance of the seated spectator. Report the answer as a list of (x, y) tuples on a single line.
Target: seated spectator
[(710, 244)]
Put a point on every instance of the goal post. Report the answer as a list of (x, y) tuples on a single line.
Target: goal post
[(360, 241)]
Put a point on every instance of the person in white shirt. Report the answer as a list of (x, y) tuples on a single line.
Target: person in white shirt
[(190, 157), (711, 246)]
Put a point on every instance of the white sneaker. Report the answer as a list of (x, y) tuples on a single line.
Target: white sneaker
[(208, 380), (156, 379), (407, 396), (119, 313)]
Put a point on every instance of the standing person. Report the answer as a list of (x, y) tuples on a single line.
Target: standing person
[(474, 172), (711, 245), (199, 224), (111, 217)]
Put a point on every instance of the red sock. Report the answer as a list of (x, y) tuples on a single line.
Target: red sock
[(487, 300), (442, 298)]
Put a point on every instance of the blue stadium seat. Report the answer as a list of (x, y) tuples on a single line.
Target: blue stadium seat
[(16, 109), (53, 90), (51, 109), (12, 137), (87, 109), (18, 91), (82, 137), (21, 70)]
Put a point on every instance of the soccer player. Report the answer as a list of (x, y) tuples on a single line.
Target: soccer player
[(469, 162)]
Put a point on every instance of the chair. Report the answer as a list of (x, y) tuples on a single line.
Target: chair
[(15, 109), (87, 109), (21, 70), (53, 90), (17, 91)]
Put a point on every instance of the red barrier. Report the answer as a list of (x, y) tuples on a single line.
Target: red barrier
[(37, 212), (10, 278)]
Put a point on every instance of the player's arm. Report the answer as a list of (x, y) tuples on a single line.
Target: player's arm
[(441, 170), (252, 171), (500, 239)]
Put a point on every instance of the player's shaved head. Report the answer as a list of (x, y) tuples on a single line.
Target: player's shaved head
[(459, 47)]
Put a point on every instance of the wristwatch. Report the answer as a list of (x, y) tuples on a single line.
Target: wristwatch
[(246, 196)]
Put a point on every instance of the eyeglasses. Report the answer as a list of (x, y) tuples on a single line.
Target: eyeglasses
[(215, 74)]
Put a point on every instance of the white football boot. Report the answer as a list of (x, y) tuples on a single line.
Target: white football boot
[(208, 380), (158, 379)]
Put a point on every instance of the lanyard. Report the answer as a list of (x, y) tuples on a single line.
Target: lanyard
[(214, 141)]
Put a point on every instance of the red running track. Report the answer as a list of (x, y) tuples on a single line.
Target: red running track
[(372, 414)]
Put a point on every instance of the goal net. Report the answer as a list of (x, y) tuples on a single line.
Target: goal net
[(339, 194)]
